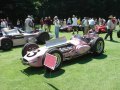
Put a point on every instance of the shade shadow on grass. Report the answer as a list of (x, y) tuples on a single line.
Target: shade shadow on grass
[(100, 57), (53, 74), (33, 71), (15, 47), (114, 41), (2, 51), (84, 59)]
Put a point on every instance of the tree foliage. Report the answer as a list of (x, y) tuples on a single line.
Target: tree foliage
[(62, 8)]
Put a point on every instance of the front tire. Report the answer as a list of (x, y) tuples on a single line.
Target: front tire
[(97, 46), (28, 47), (59, 56)]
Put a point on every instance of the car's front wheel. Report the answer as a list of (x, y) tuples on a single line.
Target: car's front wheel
[(28, 47), (59, 56), (97, 46)]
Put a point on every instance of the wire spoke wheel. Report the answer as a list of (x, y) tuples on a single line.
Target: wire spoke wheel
[(100, 46), (29, 47), (6, 44), (97, 46), (59, 59), (59, 56)]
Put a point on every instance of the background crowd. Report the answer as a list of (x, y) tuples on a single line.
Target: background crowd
[(86, 23)]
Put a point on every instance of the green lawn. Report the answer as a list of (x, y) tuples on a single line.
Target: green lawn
[(83, 73)]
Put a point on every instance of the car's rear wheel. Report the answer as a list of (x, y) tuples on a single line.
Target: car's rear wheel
[(59, 56), (28, 47), (43, 37), (97, 46), (6, 44)]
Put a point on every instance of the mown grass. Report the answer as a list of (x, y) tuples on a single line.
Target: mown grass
[(83, 73)]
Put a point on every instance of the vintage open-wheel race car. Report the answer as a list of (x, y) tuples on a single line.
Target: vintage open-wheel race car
[(62, 49), (69, 28), (16, 37)]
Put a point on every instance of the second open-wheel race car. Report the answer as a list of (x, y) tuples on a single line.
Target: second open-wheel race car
[(62, 49), (69, 28), (16, 37)]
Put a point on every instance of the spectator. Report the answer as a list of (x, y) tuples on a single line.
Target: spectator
[(10, 25), (79, 21), (74, 24), (49, 23), (18, 23), (92, 23), (82, 24), (110, 28), (46, 24), (29, 24), (86, 25), (41, 23), (115, 21), (100, 21), (69, 21), (103, 21), (3, 23), (64, 22), (57, 26)]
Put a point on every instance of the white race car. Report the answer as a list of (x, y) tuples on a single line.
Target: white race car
[(16, 37), (62, 49)]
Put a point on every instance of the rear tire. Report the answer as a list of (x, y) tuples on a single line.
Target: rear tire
[(43, 37), (28, 47), (6, 44)]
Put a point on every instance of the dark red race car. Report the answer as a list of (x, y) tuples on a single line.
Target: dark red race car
[(101, 28)]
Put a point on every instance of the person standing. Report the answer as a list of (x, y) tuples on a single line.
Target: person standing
[(115, 21), (18, 23), (49, 23), (64, 22), (86, 25), (46, 24), (74, 24), (110, 28), (79, 21), (29, 24), (3, 23), (41, 23), (82, 24), (92, 23), (69, 21), (57, 26)]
